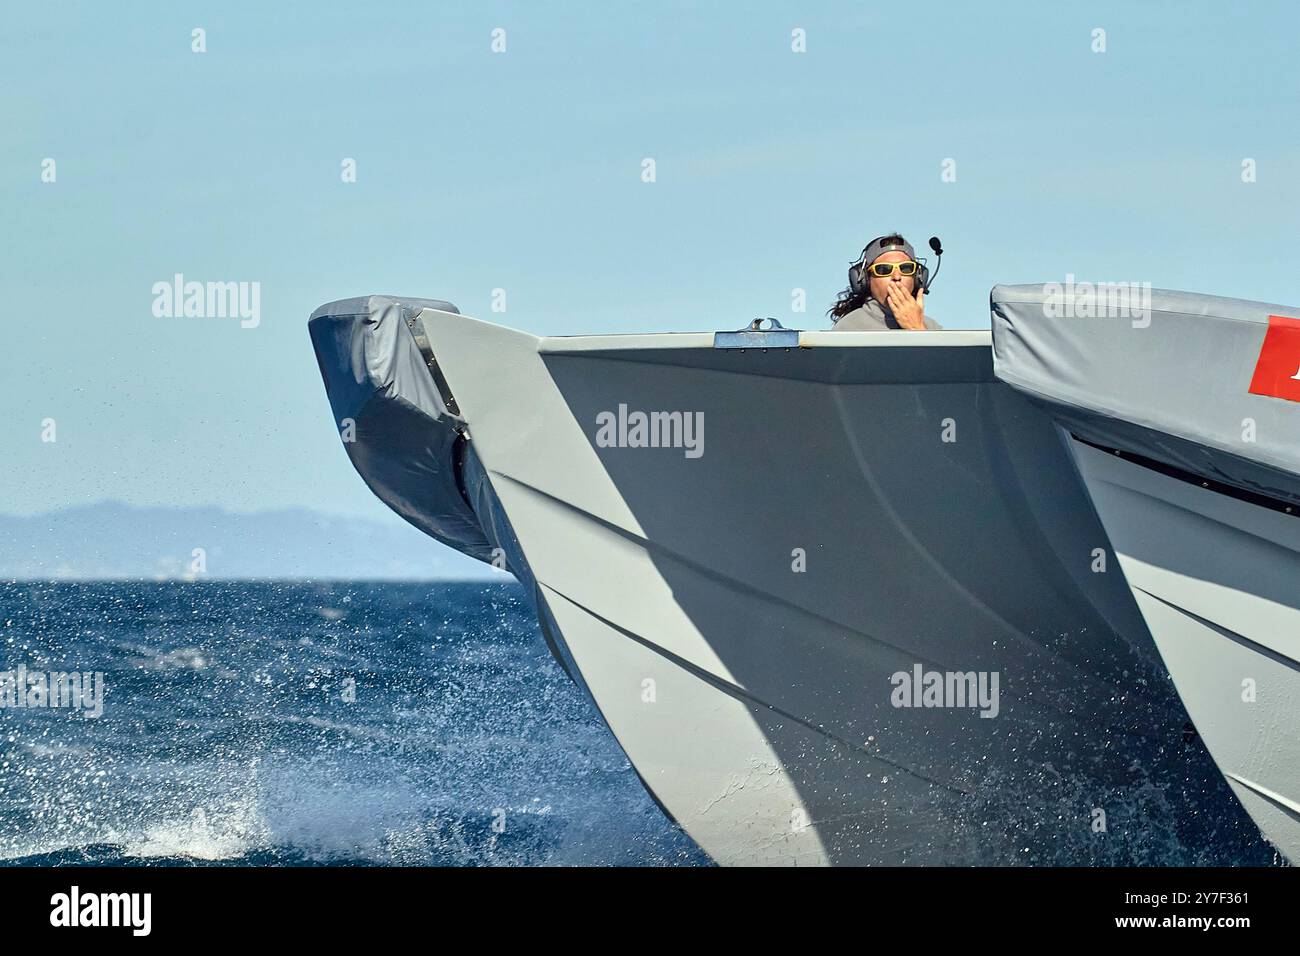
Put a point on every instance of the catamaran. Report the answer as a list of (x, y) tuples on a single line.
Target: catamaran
[(866, 505)]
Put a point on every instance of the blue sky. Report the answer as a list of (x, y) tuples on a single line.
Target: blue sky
[(522, 171)]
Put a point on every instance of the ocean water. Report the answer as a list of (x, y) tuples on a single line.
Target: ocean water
[(303, 724), (368, 724)]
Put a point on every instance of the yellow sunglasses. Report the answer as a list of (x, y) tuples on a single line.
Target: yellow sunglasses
[(883, 270)]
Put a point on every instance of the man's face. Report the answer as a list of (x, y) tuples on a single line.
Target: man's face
[(879, 288)]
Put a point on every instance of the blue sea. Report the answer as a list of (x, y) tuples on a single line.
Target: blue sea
[(311, 724), (298, 724)]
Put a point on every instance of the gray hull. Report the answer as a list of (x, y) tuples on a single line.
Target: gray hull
[(863, 506), (1218, 581), (1190, 452)]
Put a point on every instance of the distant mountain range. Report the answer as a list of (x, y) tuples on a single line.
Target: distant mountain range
[(114, 540)]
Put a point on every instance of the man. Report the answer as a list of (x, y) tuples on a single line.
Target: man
[(885, 290)]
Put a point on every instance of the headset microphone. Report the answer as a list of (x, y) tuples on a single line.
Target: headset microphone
[(937, 248)]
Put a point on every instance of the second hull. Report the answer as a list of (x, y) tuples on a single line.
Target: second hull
[(1217, 579)]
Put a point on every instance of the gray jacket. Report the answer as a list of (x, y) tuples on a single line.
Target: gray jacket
[(873, 317)]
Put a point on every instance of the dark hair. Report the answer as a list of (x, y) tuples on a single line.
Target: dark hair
[(848, 299)]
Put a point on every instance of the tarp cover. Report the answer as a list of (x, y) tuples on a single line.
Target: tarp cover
[(403, 440), (1166, 375)]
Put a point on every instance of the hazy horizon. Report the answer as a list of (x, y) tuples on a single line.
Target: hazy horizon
[(116, 541)]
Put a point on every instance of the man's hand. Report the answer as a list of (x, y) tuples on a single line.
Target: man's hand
[(910, 312)]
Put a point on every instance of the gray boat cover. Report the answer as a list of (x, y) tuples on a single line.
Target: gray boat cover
[(396, 427), (1194, 382)]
